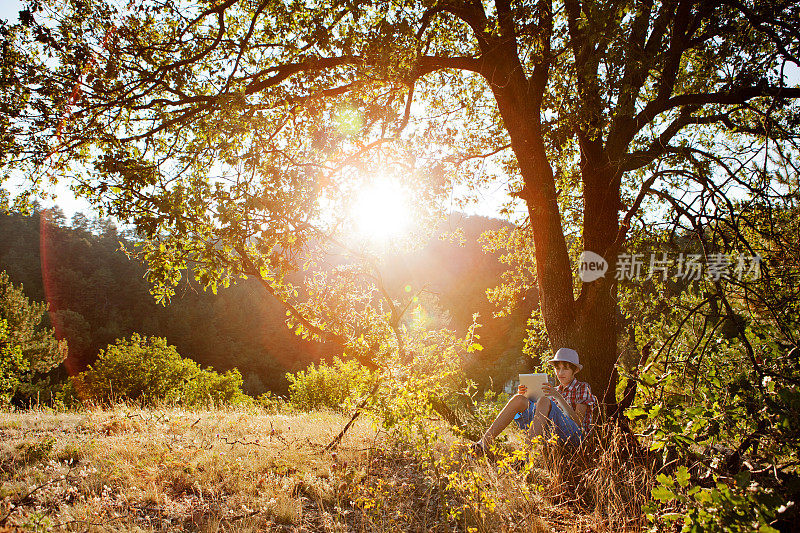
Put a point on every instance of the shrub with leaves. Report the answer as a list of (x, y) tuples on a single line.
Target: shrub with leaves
[(148, 370), (735, 504), (12, 364), (270, 401), (426, 382), (32, 349), (718, 398), (328, 385)]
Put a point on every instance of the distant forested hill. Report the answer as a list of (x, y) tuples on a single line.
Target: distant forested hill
[(97, 295)]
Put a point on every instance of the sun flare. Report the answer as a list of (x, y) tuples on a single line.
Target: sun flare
[(381, 212)]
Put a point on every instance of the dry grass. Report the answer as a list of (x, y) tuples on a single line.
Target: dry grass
[(131, 469)]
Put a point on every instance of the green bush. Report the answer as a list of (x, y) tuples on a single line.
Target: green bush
[(270, 401), (331, 386), (734, 505), (28, 349), (36, 451), (210, 387), (147, 370), (12, 364)]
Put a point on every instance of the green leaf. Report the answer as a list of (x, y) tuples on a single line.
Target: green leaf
[(683, 476), (648, 379), (665, 480), (635, 412), (704, 496), (663, 494)]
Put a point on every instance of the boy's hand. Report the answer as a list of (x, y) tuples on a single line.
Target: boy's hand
[(522, 389), (549, 390)]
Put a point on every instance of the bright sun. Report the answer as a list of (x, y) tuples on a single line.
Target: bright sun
[(380, 211)]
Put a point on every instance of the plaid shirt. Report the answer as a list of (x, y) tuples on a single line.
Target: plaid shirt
[(579, 392)]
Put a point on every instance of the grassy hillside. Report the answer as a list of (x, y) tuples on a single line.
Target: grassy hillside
[(129, 469)]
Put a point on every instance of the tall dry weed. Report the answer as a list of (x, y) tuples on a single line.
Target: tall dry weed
[(608, 477)]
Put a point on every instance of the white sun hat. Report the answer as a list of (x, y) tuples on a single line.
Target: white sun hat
[(568, 355)]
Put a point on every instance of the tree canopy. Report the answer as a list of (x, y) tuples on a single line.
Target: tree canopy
[(233, 135)]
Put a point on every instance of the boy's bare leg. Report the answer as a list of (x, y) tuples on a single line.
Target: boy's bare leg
[(515, 405), (539, 420)]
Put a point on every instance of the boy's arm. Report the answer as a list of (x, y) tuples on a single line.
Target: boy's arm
[(563, 405), (567, 408)]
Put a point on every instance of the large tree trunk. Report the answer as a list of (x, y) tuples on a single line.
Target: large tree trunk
[(595, 329), (587, 324), (594, 336)]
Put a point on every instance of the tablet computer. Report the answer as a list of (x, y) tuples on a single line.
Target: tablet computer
[(534, 383)]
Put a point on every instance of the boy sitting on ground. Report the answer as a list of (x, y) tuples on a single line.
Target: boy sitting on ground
[(545, 416)]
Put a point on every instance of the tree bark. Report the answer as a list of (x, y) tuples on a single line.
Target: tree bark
[(587, 324), (595, 329)]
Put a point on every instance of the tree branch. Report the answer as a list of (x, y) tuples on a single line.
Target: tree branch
[(202, 53), (479, 156), (470, 12), (759, 24), (506, 22), (253, 271), (627, 128), (541, 70), (244, 43), (283, 72), (738, 96), (428, 64)]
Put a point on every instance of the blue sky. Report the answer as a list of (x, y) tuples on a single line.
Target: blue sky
[(9, 10)]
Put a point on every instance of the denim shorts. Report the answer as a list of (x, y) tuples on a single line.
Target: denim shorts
[(565, 428)]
